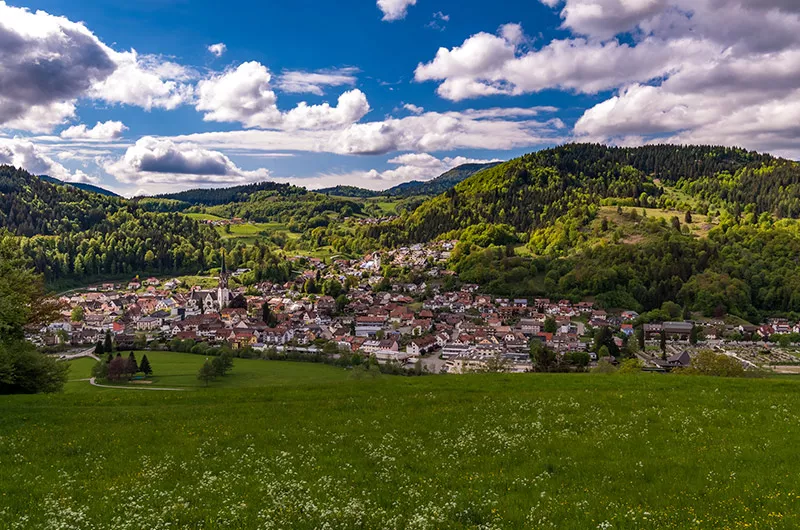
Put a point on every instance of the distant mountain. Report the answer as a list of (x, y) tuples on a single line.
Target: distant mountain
[(440, 184), (80, 185), (351, 191)]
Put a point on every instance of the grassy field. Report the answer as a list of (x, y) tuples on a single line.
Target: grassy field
[(179, 370), (204, 217), (483, 451), (699, 226)]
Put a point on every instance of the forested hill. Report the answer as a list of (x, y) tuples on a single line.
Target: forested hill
[(538, 189), (30, 205), (217, 196), (80, 185), (88, 235), (440, 184)]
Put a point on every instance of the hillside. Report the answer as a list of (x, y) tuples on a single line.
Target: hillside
[(30, 205), (435, 186), (71, 234), (80, 185), (216, 196), (721, 235), (537, 189)]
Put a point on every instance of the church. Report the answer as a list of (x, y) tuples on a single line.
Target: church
[(212, 301)]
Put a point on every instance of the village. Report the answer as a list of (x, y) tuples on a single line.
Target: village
[(420, 324)]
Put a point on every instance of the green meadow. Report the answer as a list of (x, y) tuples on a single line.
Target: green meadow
[(282, 445)]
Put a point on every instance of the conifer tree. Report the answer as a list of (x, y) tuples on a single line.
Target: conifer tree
[(145, 367)]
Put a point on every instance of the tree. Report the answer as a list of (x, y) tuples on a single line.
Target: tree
[(640, 338), (117, 369), (268, 316), (145, 367), (707, 362), (207, 372), (238, 302), (550, 325), (543, 358), (99, 349), (132, 366), (688, 217), (108, 345), (630, 366), (100, 370), (663, 344), (604, 337), (676, 223), (693, 335), (77, 314), (23, 370)]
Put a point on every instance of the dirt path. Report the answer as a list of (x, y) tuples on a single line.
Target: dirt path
[(94, 383)]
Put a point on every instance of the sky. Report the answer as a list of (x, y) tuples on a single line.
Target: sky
[(155, 96)]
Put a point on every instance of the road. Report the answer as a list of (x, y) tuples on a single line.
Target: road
[(86, 353), (94, 383)]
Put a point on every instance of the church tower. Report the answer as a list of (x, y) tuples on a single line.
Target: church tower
[(223, 293)]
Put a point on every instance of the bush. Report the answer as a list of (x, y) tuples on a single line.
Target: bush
[(631, 366), (604, 367), (707, 362), (23, 370)]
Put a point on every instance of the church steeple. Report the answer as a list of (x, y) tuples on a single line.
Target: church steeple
[(223, 293)]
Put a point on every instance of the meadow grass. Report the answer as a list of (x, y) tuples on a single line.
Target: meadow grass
[(479, 451), (204, 217), (179, 370)]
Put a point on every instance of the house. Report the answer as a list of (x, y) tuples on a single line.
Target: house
[(678, 330), (421, 346), (369, 326), (149, 324), (373, 346)]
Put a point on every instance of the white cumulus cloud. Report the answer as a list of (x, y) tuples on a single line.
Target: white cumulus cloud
[(244, 94), (395, 9), (25, 154), (217, 49), (109, 130), (163, 161)]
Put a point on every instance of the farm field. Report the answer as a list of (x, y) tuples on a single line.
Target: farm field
[(482, 451)]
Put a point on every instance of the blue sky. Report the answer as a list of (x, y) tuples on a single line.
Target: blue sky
[(424, 85)]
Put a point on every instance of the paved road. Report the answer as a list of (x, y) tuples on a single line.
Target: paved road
[(94, 383), (86, 353)]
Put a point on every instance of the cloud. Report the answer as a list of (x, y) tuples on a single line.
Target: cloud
[(46, 63), (716, 71), (488, 64), (495, 129), (410, 166), (218, 49), (395, 9), (438, 21), (26, 155), (244, 95), (240, 95), (109, 130), (413, 109), (299, 82), (162, 161), (146, 81)]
